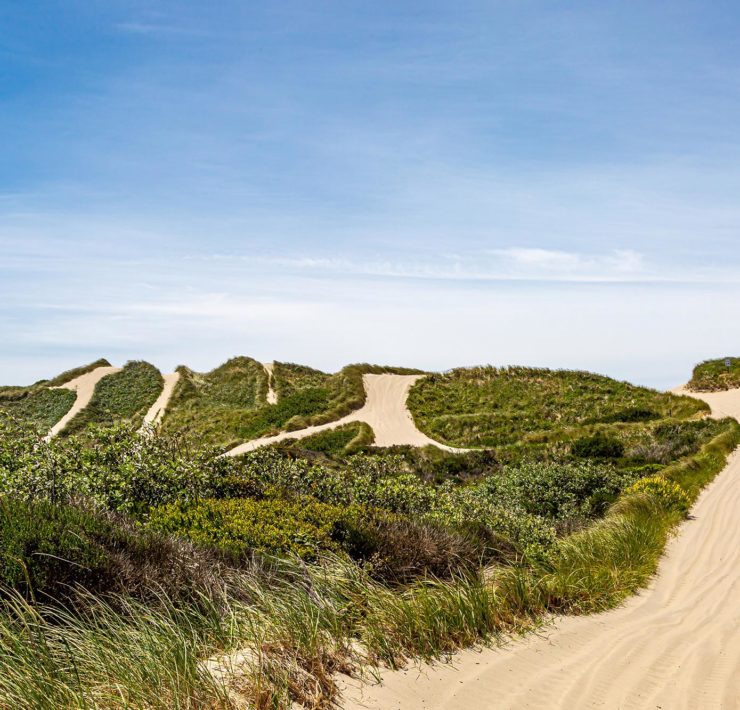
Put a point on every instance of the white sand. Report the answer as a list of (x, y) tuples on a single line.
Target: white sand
[(674, 646), (384, 410), (154, 416), (84, 386), (271, 394)]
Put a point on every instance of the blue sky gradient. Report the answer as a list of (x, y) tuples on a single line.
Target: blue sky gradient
[(419, 183)]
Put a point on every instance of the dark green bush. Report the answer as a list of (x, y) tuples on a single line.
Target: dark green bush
[(598, 446)]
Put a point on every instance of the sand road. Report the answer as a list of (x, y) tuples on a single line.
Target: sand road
[(157, 410), (384, 410), (83, 386), (675, 646)]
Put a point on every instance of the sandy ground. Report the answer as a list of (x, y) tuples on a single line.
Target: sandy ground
[(674, 646), (384, 410), (271, 394), (84, 386), (157, 410)]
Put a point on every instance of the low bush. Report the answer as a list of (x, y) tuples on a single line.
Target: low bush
[(598, 446), (669, 494), (393, 548), (51, 549)]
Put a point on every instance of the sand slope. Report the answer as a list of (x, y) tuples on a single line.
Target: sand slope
[(157, 410), (675, 646), (271, 394), (384, 410), (84, 386)]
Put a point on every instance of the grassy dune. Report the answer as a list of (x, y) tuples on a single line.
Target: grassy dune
[(36, 405), (714, 375), (227, 406), (494, 407), (123, 396), (39, 405)]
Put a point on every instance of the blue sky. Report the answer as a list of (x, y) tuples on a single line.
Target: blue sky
[(421, 183)]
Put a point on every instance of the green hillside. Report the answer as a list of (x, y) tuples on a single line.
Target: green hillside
[(123, 396), (494, 407), (714, 375)]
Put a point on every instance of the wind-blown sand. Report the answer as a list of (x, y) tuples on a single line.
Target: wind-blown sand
[(385, 411), (271, 394), (157, 410), (674, 646), (84, 386)]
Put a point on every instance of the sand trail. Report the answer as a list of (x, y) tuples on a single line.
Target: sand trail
[(674, 646), (270, 370), (385, 411), (83, 386), (154, 416)]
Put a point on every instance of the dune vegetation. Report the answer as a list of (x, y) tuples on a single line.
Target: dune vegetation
[(154, 572), (715, 375), (518, 406)]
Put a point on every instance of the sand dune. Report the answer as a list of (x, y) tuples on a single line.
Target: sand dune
[(84, 386), (675, 646), (157, 410), (385, 411), (271, 394)]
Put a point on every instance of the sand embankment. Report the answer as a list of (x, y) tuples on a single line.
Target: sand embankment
[(674, 646), (154, 416), (385, 411), (83, 386)]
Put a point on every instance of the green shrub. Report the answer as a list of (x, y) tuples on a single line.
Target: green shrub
[(598, 446), (302, 527), (50, 549), (670, 495)]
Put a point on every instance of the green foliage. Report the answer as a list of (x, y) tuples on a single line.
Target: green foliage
[(714, 375), (303, 527), (496, 407), (598, 446), (670, 495), (123, 396), (38, 406), (112, 467), (50, 549), (392, 547), (342, 441)]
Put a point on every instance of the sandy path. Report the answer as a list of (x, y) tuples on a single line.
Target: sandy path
[(157, 410), (84, 386), (271, 394), (674, 646), (384, 410)]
